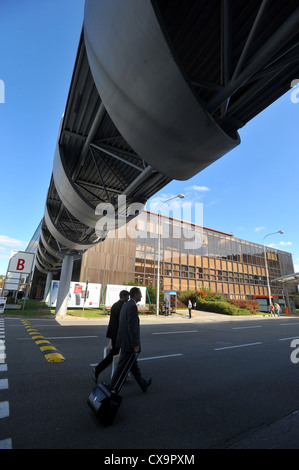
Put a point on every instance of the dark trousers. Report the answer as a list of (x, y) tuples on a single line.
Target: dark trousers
[(107, 360), (122, 362)]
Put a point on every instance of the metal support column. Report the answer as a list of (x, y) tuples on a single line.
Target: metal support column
[(64, 285), (48, 284)]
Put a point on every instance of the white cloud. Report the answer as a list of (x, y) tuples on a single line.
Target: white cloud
[(164, 203), (258, 229), (12, 242), (285, 243), (195, 187)]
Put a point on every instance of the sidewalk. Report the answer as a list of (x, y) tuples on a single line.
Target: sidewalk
[(181, 316)]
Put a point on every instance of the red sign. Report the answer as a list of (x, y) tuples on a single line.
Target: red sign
[(78, 289)]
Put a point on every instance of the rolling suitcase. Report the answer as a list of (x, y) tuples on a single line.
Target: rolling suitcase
[(104, 402)]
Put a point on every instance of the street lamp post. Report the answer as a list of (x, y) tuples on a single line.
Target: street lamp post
[(266, 266), (181, 196)]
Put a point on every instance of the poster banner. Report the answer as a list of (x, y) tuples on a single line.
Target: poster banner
[(2, 304), (77, 294), (113, 290)]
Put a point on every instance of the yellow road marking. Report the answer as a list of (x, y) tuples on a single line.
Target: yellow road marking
[(54, 357), (34, 333)]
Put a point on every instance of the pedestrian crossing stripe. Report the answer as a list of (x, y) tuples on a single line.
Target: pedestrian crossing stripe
[(39, 339)]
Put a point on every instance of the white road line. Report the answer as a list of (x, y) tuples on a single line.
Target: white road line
[(61, 337), (150, 358), (159, 357), (71, 337), (287, 324), (4, 409), (245, 327), (6, 444), (286, 339), (238, 346), (175, 332), (3, 384)]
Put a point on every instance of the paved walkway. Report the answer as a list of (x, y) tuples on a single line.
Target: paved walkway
[(181, 316)]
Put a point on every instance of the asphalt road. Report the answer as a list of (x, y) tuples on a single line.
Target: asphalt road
[(216, 383)]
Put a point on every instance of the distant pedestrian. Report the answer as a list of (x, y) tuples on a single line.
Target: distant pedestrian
[(277, 309), (189, 307), (272, 311), (112, 331)]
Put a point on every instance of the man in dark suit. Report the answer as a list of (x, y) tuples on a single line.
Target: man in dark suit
[(128, 340), (112, 333)]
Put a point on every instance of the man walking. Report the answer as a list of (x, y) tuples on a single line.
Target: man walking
[(112, 333), (128, 340)]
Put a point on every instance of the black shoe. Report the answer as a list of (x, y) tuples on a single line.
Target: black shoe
[(147, 384)]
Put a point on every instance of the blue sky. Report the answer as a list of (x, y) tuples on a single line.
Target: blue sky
[(250, 192)]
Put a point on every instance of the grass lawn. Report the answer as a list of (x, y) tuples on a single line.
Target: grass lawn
[(38, 308)]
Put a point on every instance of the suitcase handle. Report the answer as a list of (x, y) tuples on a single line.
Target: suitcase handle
[(125, 372)]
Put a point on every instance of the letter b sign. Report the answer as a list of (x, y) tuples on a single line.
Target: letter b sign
[(20, 264)]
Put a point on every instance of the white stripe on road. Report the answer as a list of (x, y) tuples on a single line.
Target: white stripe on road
[(158, 357), (238, 346), (6, 444), (292, 337), (3, 384), (61, 337), (4, 409), (245, 327), (175, 332), (70, 337), (149, 358)]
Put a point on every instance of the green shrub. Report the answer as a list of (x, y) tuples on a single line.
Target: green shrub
[(210, 301), (252, 305), (199, 295)]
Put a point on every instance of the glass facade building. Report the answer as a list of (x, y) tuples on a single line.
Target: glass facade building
[(192, 256)]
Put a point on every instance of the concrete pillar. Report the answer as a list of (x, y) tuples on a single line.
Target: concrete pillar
[(64, 285), (48, 284)]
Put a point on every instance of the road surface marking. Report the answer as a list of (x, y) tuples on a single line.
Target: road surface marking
[(175, 332), (286, 339), (159, 357), (237, 346), (245, 327)]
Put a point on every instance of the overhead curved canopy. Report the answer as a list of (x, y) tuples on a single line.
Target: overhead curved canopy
[(159, 91)]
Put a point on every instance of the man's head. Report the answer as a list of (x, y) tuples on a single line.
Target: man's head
[(135, 293), (124, 295)]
